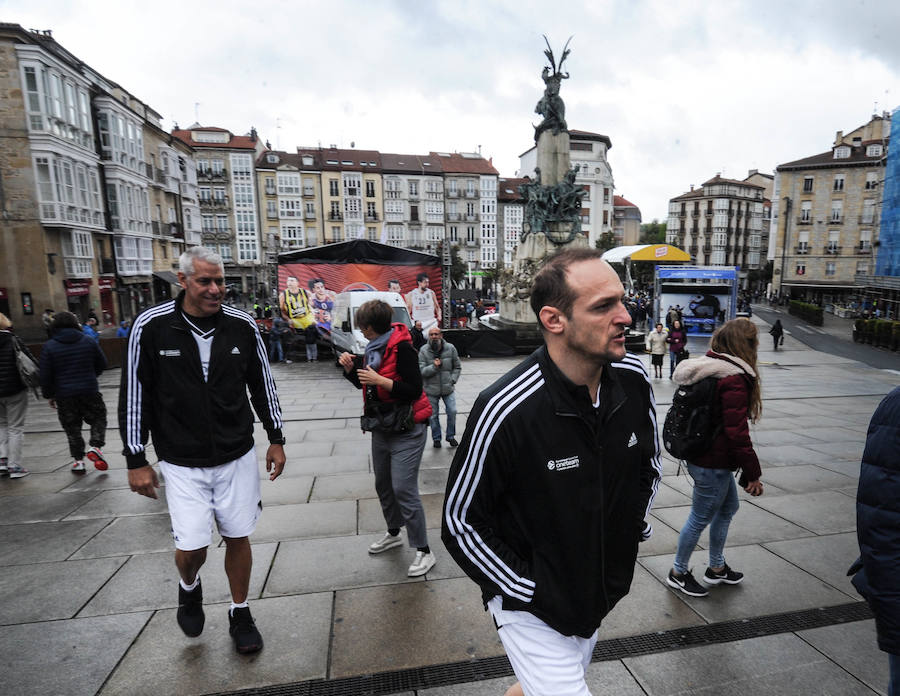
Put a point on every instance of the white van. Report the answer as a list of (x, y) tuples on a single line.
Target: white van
[(346, 336)]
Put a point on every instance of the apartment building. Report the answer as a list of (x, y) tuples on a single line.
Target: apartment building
[(413, 201), (720, 224), (470, 191), (351, 194), (626, 222), (827, 208), (588, 156), (226, 185), (85, 172), (510, 215)]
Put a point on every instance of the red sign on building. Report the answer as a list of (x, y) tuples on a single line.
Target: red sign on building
[(78, 286), (106, 283)]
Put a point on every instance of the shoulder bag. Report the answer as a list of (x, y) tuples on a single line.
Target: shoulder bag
[(28, 369)]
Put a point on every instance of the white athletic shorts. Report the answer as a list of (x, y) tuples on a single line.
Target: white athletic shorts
[(228, 494), (546, 662)]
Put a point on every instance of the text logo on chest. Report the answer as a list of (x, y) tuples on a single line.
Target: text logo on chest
[(563, 464)]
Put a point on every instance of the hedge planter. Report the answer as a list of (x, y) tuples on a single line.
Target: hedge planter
[(810, 313)]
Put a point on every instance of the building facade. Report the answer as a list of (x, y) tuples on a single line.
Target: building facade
[(510, 215), (720, 224), (828, 209), (588, 156), (626, 222), (413, 201)]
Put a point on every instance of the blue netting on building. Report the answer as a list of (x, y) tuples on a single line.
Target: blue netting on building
[(887, 260)]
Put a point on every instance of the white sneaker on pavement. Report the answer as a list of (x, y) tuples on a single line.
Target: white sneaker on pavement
[(388, 541), (422, 564)]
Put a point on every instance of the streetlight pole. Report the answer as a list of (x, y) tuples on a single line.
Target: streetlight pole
[(787, 237)]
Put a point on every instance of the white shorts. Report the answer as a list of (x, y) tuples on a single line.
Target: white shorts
[(228, 493), (546, 662)]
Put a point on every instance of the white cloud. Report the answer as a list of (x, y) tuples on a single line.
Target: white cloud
[(684, 90)]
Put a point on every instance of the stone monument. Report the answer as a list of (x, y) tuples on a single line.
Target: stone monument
[(552, 217)]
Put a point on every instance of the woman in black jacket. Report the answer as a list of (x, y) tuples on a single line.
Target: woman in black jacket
[(13, 403), (777, 332), (878, 529)]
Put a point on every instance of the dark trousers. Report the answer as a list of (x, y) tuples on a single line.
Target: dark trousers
[(83, 408)]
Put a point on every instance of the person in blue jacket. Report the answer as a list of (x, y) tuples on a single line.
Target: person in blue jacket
[(878, 529)]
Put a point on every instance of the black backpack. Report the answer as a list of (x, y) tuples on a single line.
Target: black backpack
[(692, 422)]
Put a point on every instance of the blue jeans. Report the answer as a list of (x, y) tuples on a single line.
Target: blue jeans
[(714, 503), (450, 405), (673, 360), (276, 352), (894, 683)]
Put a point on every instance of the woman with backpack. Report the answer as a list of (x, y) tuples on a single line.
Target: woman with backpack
[(731, 362), (677, 340)]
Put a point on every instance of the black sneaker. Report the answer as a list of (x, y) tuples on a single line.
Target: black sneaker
[(727, 575), (686, 584), (243, 630), (452, 442), (190, 610), (437, 444)]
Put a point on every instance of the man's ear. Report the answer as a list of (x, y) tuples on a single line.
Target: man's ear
[(552, 319), (182, 280)]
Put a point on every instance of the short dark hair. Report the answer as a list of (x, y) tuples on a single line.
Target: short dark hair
[(64, 320), (421, 276), (375, 314), (550, 286), (311, 283)]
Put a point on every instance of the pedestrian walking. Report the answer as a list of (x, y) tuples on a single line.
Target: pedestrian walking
[(878, 529), (777, 332), (549, 492), (311, 339), (656, 345), (440, 367), (13, 402), (731, 361), (89, 329), (46, 320), (71, 361), (276, 337), (395, 411), (122, 331), (189, 365), (677, 340)]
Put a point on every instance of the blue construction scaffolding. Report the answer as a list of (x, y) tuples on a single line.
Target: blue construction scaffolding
[(887, 259)]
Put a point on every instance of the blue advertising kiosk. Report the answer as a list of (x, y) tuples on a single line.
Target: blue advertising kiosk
[(707, 295)]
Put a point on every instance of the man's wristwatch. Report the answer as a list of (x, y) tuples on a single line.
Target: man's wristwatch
[(278, 441)]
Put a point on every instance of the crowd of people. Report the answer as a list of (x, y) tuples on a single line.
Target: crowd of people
[(551, 484)]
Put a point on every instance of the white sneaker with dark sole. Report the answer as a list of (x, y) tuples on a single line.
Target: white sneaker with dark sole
[(422, 564), (388, 541)]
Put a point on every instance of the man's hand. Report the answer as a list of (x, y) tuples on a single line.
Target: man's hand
[(437, 362), (143, 481), (275, 460), (754, 488), (346, 361)]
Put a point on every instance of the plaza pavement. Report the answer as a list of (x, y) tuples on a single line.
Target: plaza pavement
[(88, 586)]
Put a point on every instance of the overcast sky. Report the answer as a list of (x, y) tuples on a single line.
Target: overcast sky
[(684, 89)]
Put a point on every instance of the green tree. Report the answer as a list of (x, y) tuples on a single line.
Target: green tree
[(457, 267), (606, 241), (653, 232)]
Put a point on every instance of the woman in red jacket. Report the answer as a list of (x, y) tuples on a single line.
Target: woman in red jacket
[(677, 340), (389, 372), (731, 360)]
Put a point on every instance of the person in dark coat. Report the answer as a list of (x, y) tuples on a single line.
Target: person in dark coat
[(418, 336), (777, 332), (13, 403), (70, 364), (677, 340), (878, 529)]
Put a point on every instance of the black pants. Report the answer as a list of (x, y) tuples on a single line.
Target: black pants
[(84, 408)]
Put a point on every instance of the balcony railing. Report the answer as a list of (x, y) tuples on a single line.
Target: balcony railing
[(471, 218), (270, 190), (836, 220), (864, 249), (335, 216), (308, 193), (804, 220), (834, 250), (453, 217), (471, 194), (801, 249), (309, 215), (371, 217), (452, 193), (867, 219)]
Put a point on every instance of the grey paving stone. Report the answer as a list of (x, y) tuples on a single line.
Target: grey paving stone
[(68, 661), (286, 490), (95, 481), (342, 434), (780, 664), (750, 525), (648, 607), (43, 507), (826, 557), (127, 535), (821, 512), (42, 542), (755, 596), (371, 519), (150, 581), (853, 646), (45, 591), (787, 455), (334, 464), (663, 540), (338, 563), (429, 623), (36, 483), (847, 467), (306, 521), (841, 450), (120, 503), (165, 661), (433, 480), (343, 487), (781, 437), (805, 477), (833, 434)]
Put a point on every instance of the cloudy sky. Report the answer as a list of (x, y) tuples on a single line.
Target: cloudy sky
[(684, 89)]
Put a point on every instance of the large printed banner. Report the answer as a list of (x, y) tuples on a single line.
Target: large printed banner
[(706, 295), (319, 283)]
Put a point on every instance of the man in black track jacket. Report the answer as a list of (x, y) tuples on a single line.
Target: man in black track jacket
[(549, 493), (188, 366)]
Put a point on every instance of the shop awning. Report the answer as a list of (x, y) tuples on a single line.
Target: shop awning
[(646, 252), (167, 276)]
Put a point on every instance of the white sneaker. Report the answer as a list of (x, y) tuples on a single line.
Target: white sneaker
[(388, 541), (422, 564), (78, 467)]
